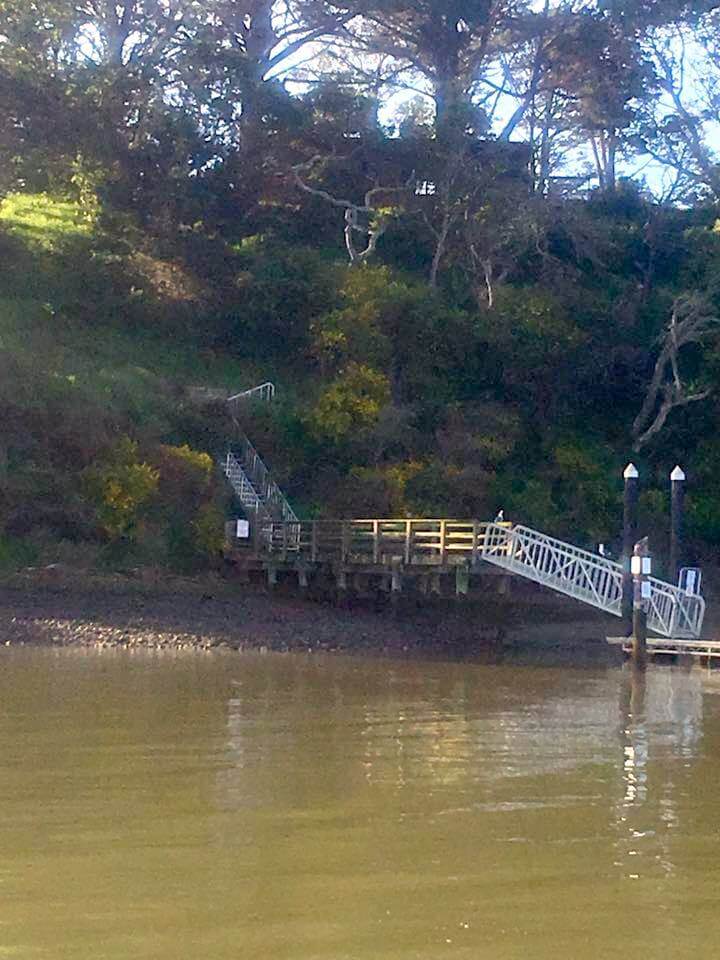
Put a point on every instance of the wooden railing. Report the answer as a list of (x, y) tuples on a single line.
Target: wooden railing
[(412, 542)]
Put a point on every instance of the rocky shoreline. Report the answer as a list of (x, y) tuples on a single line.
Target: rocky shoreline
[(208, 614)]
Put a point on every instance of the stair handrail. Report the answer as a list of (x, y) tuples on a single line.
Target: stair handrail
[(262, 481), (258, 474), (264, 391), (242, 485)]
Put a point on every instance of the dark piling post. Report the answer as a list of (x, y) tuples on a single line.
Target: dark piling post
[(630, 502), (641, 567), (677, 510), (462, 579), (396, 583)]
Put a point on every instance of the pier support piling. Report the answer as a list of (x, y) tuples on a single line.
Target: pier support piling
[(462, 580)]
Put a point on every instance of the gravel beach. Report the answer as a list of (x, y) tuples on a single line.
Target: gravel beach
[(50, 607)]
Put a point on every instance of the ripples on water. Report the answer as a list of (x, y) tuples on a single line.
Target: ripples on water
[(324, 808)]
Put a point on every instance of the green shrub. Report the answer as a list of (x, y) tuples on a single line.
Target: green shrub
[(15, 553), (352, 402), (120, 488)]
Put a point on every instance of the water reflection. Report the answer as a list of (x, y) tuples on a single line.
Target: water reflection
[(661, 713), (463, 729), (302, 808)]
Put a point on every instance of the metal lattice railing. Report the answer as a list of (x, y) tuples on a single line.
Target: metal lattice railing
[(588, 577), (242, 485), (267, 490)]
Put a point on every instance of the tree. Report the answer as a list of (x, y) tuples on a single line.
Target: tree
[(675, 128), (443, 45), (692, 321)]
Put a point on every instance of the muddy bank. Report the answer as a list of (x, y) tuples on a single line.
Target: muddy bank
[(213, 613)]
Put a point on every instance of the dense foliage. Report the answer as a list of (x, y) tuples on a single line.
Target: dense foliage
[(476, 245)]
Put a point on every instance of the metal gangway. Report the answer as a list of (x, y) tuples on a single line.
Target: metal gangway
[(589, 577)]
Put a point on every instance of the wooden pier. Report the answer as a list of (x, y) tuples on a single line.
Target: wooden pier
[(359, 553), (422, 550)]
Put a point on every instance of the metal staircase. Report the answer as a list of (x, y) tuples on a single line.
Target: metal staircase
[(588, 577), (261, 498)]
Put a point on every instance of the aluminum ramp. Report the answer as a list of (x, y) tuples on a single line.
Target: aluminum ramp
[(588, 577)]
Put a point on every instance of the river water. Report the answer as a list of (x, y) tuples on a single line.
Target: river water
[(215, 806)]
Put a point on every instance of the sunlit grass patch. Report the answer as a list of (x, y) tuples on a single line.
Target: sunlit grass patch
[(45, 221)]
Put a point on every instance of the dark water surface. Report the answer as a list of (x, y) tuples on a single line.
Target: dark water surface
[(331, 808)]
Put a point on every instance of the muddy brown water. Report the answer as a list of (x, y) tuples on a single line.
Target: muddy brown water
[(295, 807)]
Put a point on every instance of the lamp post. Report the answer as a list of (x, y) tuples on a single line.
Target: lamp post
[(630, 503), (677, 510)]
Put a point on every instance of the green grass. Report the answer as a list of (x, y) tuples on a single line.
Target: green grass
[(72, 347), (46, 222)]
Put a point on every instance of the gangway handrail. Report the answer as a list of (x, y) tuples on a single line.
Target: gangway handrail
[(589, 577)]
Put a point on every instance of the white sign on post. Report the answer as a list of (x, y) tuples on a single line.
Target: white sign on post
[(689, 581), (242, 529)]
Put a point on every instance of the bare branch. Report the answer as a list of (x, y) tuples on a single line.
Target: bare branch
[(691, 322), (377, 223)]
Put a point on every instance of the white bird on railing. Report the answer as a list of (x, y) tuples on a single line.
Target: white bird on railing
[(500, 517)]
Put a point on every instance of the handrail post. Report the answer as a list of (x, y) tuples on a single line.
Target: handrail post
[(313, 542), (408, 541), (443, 543), (376, 541)]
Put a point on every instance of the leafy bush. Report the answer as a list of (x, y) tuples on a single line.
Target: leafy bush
[(352, 402), (15, 553), (185, 476), (120, 488)]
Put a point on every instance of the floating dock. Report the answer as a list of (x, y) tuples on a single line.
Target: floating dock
[(672, 647)]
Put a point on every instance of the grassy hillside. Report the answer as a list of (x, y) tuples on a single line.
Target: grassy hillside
[(97, 354), (393, 399)]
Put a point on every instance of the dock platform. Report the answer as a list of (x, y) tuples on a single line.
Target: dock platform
[(671, 647)]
